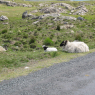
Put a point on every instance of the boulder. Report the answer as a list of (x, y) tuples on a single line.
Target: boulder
[(66, 26), (48, 10), (46, 15), (67, 6), (25, 14), (2, 18), (80, 10), (68, 17), (34, 11), (80, 18), (2, 49), (35, 22)]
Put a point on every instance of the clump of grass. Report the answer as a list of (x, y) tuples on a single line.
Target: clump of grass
[(4, 31), (48, 41), (58, 27), (78, 37), (54, 54), (32, 45), (32, 40)]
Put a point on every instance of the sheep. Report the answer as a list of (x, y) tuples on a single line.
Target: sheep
[(74, 47), (46, 49), (2, 49)]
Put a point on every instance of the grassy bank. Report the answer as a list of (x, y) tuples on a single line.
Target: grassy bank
[(35, 65)]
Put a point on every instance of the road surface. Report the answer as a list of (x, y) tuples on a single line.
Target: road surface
[(76, 77)]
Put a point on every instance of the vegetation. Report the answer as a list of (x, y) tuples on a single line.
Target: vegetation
[(24, 39)]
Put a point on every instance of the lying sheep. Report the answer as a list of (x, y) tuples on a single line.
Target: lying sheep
[(74, 47), (2, 49), (49, 49)]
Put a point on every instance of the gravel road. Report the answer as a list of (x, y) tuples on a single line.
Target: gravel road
[(76, 77)]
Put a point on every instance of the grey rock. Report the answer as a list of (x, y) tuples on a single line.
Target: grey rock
[(25, 14), (46, 15), (34, 11), (35, 22), (80, 10), (66, 26), (67, 6), (80, 18), (48, 10), (68, 17), (10, 3), (2, 18)]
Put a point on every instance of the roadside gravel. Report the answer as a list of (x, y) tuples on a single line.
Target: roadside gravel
[(68, 78)]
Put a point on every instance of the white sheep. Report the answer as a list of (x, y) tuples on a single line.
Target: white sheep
[(49, 48), (2, 49), (74, 47)]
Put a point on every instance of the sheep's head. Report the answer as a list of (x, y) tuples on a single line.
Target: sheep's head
[(45, 47), (63, 43)]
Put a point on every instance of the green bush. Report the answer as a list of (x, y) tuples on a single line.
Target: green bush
[(32, 40), (25, 35), (78, 37), (58, 27), (4, 31), (18, 43), (54, 54), (7, 36), (33, 45), (48, 41)]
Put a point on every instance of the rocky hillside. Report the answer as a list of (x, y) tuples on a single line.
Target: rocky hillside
[(45, 23)]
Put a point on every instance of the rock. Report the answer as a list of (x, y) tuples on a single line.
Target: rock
[(66, 26), (2, 18), (5, 23), (24, 5), (72, 31), (35, 22), (48, 10), (2, 49), (81, 10), (68, 17), (10, 3), (46, 15), (26, 68), (67, 6), (25, 14), (80, 18), (34, 11), (29, 15)]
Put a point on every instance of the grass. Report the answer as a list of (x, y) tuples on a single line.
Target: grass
[(24, 39), (35, 65)]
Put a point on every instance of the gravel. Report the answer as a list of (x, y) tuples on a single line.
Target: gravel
[(75, 77)]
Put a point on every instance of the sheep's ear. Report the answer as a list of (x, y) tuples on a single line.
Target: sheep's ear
[(65, 42)]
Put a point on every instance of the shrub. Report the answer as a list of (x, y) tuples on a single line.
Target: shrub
[(18, 43), (32, 40), (32, 45), (78, 37), (58, 27), (25, 35), (39, 28), (48, 41), (7, 36), (54, 54), (4, 31)]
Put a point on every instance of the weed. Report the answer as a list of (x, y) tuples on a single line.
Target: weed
[(32, 40), (78, 37), (48, 41), (54, 54), (4, 31)]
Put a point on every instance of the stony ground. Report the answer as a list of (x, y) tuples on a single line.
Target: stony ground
[(75, 77)]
